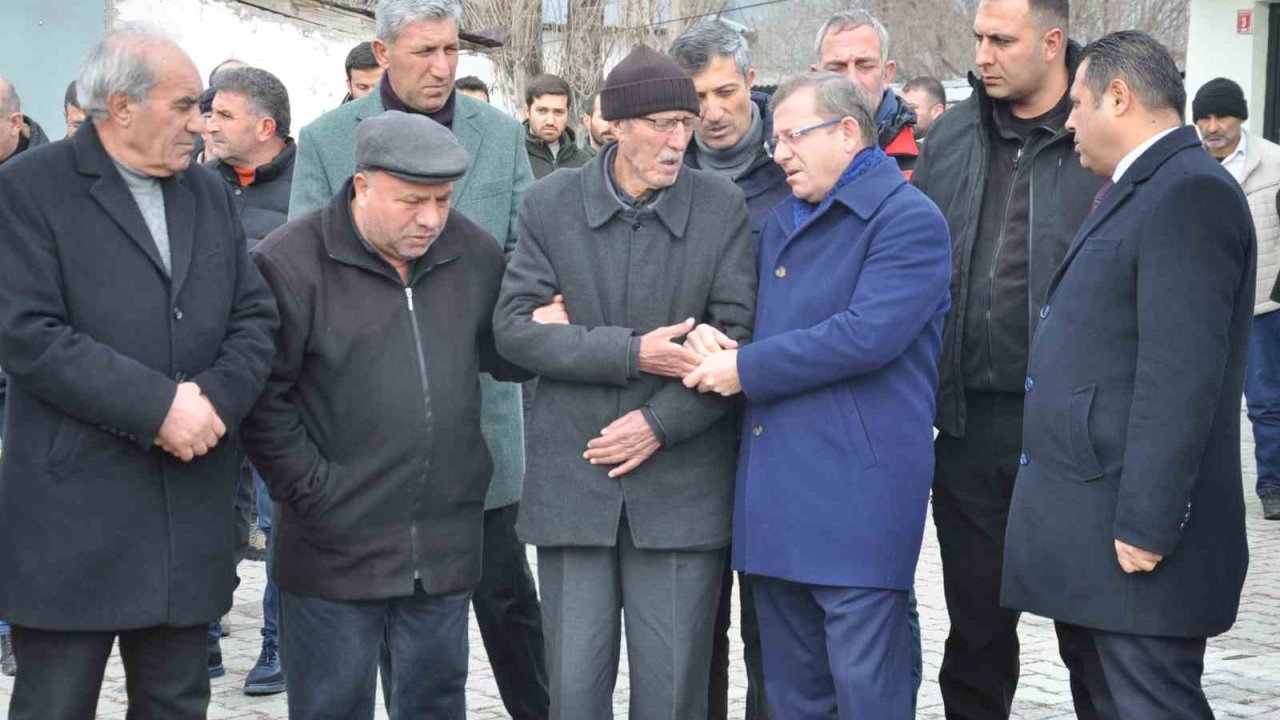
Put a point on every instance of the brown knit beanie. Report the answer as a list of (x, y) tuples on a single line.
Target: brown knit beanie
[(646, 82)]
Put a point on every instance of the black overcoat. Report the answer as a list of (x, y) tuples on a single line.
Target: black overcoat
[(100, 529), (1132, 426)]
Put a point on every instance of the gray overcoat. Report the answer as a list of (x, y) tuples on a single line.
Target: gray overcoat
[(624, 272)]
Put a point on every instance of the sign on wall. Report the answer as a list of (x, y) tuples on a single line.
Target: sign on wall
[(1244, 22)]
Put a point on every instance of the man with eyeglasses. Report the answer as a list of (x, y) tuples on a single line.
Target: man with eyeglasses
[(834, 468), (629, 491)]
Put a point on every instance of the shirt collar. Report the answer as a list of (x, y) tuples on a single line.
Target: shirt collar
[(1239, 154), (1136, 153)]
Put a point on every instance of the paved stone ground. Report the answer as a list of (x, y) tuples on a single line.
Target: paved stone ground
[(1242, 674)]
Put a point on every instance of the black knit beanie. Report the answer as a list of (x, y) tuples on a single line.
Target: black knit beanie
[(646, 82), (1221, 97)]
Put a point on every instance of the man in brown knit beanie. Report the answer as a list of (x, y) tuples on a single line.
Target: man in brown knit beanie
[(629, 490)]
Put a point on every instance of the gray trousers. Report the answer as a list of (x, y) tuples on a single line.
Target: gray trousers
[(668, 599)]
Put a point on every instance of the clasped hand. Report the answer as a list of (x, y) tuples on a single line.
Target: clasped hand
[(192, 427)]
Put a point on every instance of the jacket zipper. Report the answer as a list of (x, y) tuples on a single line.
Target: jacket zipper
[(426, 409), (995, 260)]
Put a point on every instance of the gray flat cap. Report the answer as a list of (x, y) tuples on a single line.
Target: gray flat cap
[(411, 147)]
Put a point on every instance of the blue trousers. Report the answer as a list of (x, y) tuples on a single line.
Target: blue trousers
[(271, 595), (331, 649), (1262, 397), (834, 653)]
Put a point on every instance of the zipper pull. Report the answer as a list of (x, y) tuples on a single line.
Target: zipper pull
[(1017, 158), (408, 295)]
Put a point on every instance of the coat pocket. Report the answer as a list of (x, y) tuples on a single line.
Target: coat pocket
[(1084, 458), (855, 429), (64, 448), (1102, 245)]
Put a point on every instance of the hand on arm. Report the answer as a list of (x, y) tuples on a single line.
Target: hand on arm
[(659, 355), (553, 313), (627, 442)]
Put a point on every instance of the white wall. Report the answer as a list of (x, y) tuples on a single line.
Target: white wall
[(308, 59), (1214, 49)]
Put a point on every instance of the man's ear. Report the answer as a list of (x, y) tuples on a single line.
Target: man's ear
[(381, 53)]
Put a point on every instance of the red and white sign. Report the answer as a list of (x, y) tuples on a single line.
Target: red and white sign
[(1244, 22)]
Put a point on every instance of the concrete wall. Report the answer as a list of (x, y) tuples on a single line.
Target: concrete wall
[(42, 43), (1215, 49)]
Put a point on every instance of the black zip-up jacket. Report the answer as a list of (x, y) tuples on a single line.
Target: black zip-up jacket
[(368, 433), (264, 203), (952, 171)]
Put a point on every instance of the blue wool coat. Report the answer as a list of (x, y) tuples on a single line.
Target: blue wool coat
[(837, 449)]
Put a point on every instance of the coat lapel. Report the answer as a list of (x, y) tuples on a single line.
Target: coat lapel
[(469, 133), (111, 193), (1112, 202), (1142, 169), (180, 217)]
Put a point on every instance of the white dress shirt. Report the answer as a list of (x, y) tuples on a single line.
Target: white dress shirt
[(1234, 163), (1128, 160)]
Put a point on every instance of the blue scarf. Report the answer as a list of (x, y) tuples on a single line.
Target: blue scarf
[(863, 163)]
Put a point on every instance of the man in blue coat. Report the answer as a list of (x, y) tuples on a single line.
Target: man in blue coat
[(1127, 522), (834, 472)]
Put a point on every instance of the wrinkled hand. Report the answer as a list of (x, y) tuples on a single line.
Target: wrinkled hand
[(660, 356), (553, 313), (706, 340), (1135, 559), (192, 427), (718, 373), (627, 442)]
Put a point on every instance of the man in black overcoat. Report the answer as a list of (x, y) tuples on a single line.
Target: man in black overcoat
[(136, 334), (1127, 524)]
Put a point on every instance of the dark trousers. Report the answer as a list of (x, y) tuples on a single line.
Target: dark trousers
[(834, 652), (1115, 676), (1262, 398), (972, 488), (718, 699), (510, 618), (331, 651), (60, 673)]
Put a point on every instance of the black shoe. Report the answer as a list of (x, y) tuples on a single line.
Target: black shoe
[(216, 670), (267, 677), (8, 663), (1270, 504)]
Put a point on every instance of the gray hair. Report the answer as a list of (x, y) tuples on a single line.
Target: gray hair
[(118, 64), (699, 44), (265, 94), (10, 103), (834, 97), (850, 20), (391, 15)]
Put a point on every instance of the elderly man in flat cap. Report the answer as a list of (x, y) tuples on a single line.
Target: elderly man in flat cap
[(630, 485), (368, 434)]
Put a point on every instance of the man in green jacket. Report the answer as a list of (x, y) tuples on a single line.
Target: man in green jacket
[(548, 138), (417, 43)]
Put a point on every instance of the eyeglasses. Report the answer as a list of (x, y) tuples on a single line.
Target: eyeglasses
[(666, 125), (790, 139)]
